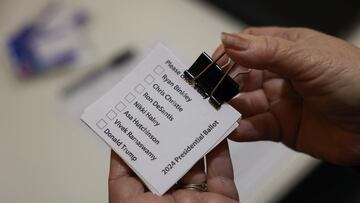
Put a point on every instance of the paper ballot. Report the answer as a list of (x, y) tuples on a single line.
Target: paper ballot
[(158, 123)]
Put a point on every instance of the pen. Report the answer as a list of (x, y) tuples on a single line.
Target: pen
[(114, 63)]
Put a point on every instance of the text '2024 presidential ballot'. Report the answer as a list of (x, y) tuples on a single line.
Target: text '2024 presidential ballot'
[(158, 123)]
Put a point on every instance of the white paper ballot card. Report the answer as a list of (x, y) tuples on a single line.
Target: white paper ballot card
[(158, 123)]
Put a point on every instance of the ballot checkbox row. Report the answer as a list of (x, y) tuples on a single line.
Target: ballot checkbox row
[(149, 79), (111, 115), (101, 124), (139, 88), (130, 97), (158, 70)]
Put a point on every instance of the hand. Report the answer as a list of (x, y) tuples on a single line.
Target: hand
[(304, 91), (125, 186)]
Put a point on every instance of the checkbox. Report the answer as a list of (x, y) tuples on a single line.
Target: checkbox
[(111, 114), (130, 97), (159, 70), (101, 124), (139, 88), (149, 79), (120, 106)]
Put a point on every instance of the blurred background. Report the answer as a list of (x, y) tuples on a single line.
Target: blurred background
[(57, 57)]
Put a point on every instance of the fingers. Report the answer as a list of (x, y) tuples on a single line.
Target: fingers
[(263, 52), (263, 126), (292, 34), (272, 113), (123, 183), (250, 81), (247, 82), (258, 101), (260, 123), (220, 177), (217, 53), (250, 103)]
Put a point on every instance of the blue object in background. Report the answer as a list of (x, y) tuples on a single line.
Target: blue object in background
[(52, 40)]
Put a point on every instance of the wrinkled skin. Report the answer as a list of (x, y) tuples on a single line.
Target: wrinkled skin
[(304, 91)]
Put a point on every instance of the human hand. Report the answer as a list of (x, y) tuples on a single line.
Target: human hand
[(304, 91), (126, 187)]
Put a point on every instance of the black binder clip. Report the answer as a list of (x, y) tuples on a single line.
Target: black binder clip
[(211, 81)]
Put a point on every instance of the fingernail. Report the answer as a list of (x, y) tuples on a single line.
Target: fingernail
[(234, 41)]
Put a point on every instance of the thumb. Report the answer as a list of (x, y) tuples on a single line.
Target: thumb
[(263, 52)]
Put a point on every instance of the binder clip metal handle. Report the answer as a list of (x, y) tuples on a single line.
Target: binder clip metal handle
[(210, 80)]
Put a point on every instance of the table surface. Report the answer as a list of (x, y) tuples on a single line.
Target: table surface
[(47, 157)]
